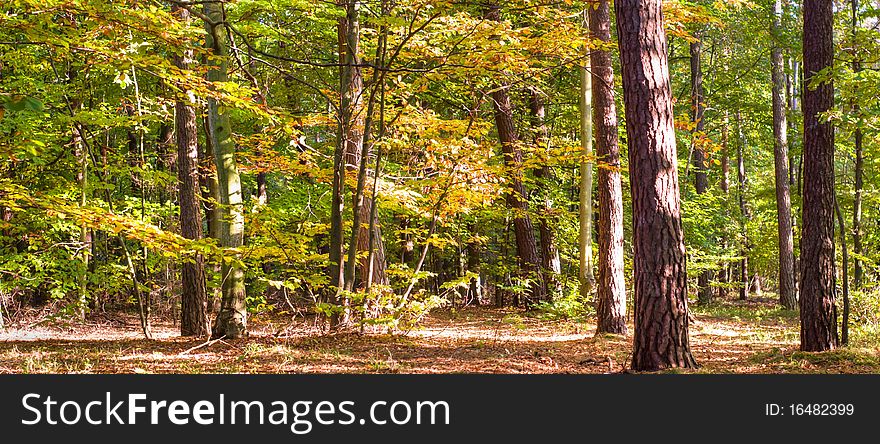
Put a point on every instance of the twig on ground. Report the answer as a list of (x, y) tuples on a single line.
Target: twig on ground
[(207, 343)]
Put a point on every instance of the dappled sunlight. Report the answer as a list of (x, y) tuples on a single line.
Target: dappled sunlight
[(471, 340)]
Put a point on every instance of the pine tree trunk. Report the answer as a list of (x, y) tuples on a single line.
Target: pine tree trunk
[(231, 321), (817, 302), (193, 298), (659, 261), (611, 291), (787, 287)]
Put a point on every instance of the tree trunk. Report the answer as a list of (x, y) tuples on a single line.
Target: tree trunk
[(859, 184), (611, 292), (85, 235), (787, 288), (193, 298), (348, 143), (473, 265), (743, 212), (724, 274), (585, 207), (551, 266), (794, 167), (517, 199), (844, 330), (817, 302), (357, 154), (701, 176), (231, 321), (659, 261)]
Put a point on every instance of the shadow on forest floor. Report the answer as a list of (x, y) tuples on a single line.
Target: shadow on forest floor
[(728, 337)]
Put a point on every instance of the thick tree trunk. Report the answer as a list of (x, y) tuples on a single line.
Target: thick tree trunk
[(611, 291), (585, 206), (517, 198), (231, 321), (787, 287), (817, 302), (701, 176), (551, 266), (659, 261), (193, 298)]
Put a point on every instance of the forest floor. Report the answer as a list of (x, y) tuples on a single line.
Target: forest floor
[(727, 337)]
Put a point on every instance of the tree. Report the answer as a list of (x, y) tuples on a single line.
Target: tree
[(724, 274), (193, 296), (659, 262), (699, 155), (817, 301), (859, 167), (550, 263), (517, 198), (611, 291), (787, 287), (358, 146), (744, 214), (585, 201), (231, 320)]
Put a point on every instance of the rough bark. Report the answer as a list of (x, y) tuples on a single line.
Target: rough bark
[(787, 287), (659, 262), (817, 302), (611, 291), (231, 320), (193, 298)]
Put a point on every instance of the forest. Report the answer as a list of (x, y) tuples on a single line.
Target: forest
[(439, 186)]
